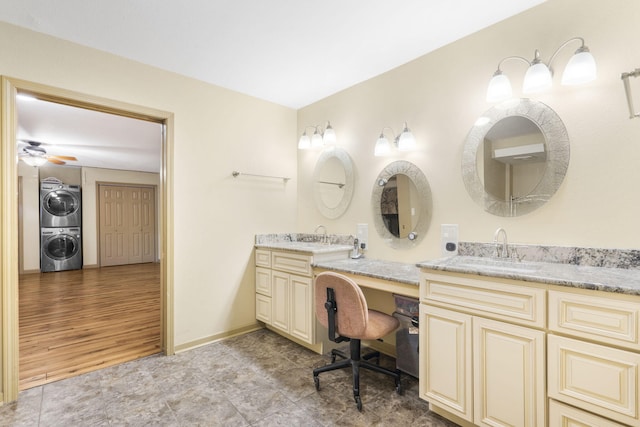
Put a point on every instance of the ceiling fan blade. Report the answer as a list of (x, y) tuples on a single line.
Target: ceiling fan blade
[(55, 161), (70, 158)]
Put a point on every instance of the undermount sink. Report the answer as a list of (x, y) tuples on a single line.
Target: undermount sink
[(506, 265)]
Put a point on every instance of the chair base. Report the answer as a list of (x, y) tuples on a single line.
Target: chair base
[(355, 361)]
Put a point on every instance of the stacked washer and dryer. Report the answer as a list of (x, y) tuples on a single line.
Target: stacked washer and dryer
[(60, 226)]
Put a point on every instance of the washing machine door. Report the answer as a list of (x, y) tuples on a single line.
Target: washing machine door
[(60, 203), (61, 247)]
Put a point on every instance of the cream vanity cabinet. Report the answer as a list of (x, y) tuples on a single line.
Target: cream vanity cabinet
[(482, 349), (284, 291), (593, 358)]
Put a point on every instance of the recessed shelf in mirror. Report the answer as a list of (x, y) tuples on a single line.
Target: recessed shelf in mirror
[(333, 182), (515, 157)]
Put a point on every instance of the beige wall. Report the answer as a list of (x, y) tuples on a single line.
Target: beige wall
[(441, 95), (216, 131)]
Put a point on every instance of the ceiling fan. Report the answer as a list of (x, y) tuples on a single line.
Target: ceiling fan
[(34, 155)]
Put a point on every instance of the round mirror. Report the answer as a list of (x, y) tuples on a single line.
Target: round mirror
[(515, 157), (401, 203), (333, 182)]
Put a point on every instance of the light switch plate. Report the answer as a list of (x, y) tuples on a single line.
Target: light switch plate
[(449, 238), (362, 233)]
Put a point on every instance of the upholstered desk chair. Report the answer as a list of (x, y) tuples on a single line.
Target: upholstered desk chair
[(342, 309)]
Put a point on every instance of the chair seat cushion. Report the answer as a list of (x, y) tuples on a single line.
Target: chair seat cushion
[(380, 324)]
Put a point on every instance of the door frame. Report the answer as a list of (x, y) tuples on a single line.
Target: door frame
[(9, 233)]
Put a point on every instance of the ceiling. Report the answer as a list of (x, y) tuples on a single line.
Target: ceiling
[(290, 52)]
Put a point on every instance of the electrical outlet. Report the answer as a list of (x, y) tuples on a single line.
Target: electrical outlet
[(362, 233), (449, 238)]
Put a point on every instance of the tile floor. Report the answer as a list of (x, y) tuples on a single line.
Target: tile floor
[(257, 379)]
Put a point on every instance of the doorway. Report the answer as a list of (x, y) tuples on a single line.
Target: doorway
[(9, 235)]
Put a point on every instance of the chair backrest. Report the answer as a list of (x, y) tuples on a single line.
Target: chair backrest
[(352, 313)]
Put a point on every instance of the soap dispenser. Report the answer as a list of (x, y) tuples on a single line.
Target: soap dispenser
[(355, 252)]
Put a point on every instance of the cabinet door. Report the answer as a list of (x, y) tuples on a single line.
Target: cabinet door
[(508, 374), (302, 316), (445, 360), (280, 300)]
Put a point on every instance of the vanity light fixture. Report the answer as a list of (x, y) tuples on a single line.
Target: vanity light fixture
[(319, 139), (404, 142), (580, 69), (627, 90)]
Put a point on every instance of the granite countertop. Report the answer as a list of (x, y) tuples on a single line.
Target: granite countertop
[(618, 280), (379, 269), (305, 247)]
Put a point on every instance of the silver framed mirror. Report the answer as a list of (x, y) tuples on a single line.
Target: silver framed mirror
[(515, 157), (401, 204), (333, 182)]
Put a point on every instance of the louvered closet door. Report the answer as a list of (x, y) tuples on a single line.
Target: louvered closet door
[(127, 225)]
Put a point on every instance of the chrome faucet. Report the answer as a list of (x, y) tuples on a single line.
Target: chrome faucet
[(324, 232), (505, 246)]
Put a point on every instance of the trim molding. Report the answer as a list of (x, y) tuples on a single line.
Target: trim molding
[(217, 337)]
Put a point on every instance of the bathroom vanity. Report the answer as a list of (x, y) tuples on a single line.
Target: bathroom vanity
[(530, 343), (284, 286)]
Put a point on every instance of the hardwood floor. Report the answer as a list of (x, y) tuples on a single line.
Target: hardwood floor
[(73, 322)]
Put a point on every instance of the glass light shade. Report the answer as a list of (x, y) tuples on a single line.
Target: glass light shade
[(34, 160), (329, 136), (537, 78), (383, 147), (316, 140), (304, 143), (580, 69), (499, 88), (407, 141)]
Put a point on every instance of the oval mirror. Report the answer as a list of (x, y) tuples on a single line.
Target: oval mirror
[(333, 182), (515, 157), (401, 203)]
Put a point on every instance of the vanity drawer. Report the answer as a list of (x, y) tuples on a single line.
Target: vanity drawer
[(610, 320), (263, 281), (595, 378), (263, 258), (561, 415), (291, 263), (263, 308), (497, 299)]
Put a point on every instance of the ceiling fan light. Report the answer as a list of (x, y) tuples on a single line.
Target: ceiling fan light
[(34, 161), (580, 69), (499, 88), (537, 78)]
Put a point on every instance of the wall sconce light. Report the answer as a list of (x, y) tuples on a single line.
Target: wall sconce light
[(627, 91), (404, 142), (319, 139), (580, 69)]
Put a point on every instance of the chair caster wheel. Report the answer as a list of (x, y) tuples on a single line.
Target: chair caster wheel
[(358, 403), (398, 387), (316, 381)]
